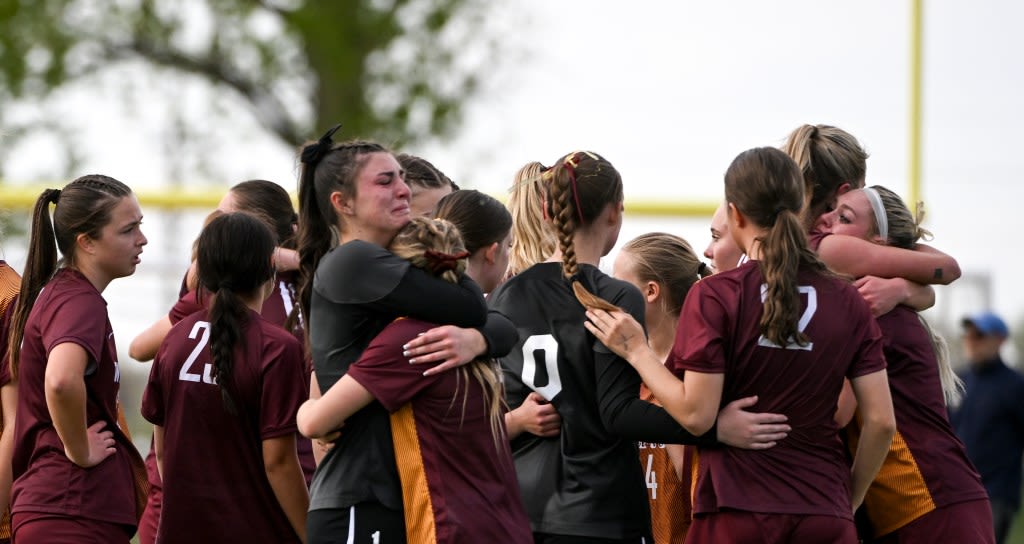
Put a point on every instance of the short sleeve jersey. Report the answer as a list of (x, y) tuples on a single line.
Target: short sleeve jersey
[(587, 481), (927, 465), (719, 333), (70, 310), (444, 446), (352, 301), (223, 497)]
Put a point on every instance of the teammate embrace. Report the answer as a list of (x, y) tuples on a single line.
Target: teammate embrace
[(765, 397)]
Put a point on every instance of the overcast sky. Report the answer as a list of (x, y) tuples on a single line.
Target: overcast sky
[(670, 92)]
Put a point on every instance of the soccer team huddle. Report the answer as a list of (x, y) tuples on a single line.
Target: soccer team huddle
[(404, 361)]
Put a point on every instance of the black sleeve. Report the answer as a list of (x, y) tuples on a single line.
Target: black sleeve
[(424, 296), (625, 414), (500, 334), (362, 273), (618, 392)]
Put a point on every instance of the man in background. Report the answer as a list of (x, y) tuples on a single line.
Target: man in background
[(990, 419)]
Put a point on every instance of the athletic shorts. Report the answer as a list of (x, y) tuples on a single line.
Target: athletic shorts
[(758, 528), (969, 521), (363, 523)]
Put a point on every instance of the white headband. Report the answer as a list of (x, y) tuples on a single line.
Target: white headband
[(880, 218)]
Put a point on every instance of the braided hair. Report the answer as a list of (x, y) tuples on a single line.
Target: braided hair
[(233, 256)]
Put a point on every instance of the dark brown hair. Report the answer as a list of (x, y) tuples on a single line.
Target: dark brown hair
[(421, 173), (326, 167), (233, 257), (480, 218), (271, 201), (82, 207), (765, 185)]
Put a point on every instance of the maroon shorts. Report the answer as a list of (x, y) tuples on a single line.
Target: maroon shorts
[(755, 528), (57, 529), (962, 522)]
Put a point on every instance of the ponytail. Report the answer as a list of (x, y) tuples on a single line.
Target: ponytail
[(233, 256), (783, 251), (326, 167), (40, 264), (82, 207), (765, 185), (228, 315)]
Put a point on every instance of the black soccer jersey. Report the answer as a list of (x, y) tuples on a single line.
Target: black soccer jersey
[(586, 481)]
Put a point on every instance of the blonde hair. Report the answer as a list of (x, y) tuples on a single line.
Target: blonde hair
[(904, 232), (436, 246), (532, 240)]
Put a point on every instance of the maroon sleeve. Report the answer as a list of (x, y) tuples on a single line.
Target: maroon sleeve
[(870, 356), (189, 303), (385, 372), (700, 343), (153, 396), (814, 239), (284, 389), (77, 320)]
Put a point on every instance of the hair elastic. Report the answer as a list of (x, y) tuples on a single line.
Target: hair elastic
[(313, 153), (438, 261), (881, 219)]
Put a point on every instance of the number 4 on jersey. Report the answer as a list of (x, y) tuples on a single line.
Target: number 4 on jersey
[(540, 361)]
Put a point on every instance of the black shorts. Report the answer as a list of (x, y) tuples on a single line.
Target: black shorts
[(363, 523)]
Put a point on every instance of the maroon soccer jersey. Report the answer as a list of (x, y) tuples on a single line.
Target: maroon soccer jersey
[(927, 465), (807, 473), (215, 488), (458, 481), (70, 310)]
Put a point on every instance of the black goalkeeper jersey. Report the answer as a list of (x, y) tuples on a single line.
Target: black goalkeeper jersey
[(586, 481)]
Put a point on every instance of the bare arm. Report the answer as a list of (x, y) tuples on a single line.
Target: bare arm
[(9, 405), (884, 294), (64, 384), (281, 464), (877, 429), (147, 343), (318, 418), (856, 257)]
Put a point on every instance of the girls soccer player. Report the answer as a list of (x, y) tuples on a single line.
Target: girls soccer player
[(353, 192), (228, 381), (758, 330), (587, 485), (10, 282), (74, 469), (458, 480), (927, 490)]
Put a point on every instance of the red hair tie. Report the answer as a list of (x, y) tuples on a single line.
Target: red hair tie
[(439, 262)]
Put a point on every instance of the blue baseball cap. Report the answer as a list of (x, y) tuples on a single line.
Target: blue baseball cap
[(988, 324)]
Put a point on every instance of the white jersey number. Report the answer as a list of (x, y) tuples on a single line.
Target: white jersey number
[(805, 319), (184, 374), (541, 351), (652, 477)]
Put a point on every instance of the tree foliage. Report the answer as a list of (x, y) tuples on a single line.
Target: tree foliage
[(394, 70)]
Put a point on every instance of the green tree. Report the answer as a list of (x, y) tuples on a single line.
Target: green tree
[(394, 70)]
